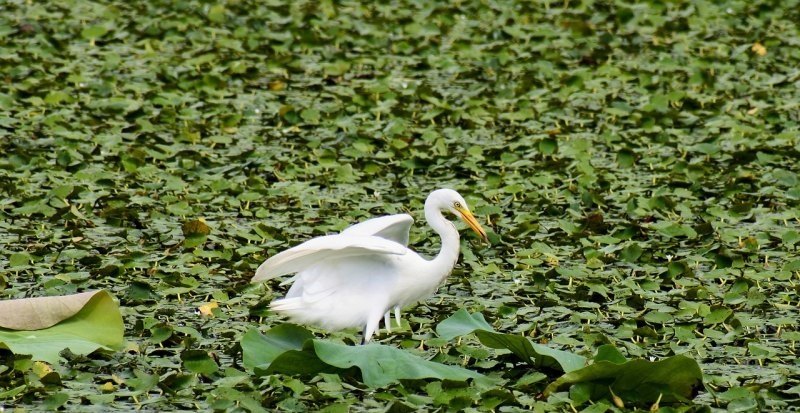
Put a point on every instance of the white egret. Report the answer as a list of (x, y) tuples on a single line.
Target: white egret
[(353, 279)]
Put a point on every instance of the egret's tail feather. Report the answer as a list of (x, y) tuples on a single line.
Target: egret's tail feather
[(287, 304)]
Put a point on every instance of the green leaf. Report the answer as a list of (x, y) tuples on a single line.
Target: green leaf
[(792, 266), (19, 259), (259, 350), (54, 401), (43, 327), (217, 13), (609, 353), (94, 32), (673, 230), (631, 252), (290, 349), (548, 146), (790, 237), (382, 365), (625, 158), (462, 323), (300, 362), (310, 115), (717, 315), (198, 361), (673, 379)]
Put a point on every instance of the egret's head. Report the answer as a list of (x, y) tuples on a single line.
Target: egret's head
[(450, 200)]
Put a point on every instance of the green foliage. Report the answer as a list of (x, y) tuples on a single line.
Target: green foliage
[(636, 164), (610, 374), (638, 381), (280, 350), (462, 323)]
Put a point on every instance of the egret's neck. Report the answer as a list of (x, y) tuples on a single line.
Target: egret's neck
[(448, 255)]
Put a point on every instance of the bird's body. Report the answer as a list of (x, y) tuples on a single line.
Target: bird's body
[(354, 278)]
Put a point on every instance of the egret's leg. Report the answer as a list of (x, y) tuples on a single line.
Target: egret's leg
[(397, 315), (370, 328), (387, 322)]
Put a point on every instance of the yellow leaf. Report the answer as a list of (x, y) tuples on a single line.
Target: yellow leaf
[(41, 368), (131, 347), (107, 387), (759, 49), (195, 227), (277, 85), (205, 309)]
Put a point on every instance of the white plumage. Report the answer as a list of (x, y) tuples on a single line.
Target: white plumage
[(354, 278)]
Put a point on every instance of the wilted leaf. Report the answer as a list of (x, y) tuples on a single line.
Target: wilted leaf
[(195, 232), (195, 227), (207, 309), (44, 326)]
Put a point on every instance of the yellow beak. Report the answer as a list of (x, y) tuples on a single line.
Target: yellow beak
[(467, 217)]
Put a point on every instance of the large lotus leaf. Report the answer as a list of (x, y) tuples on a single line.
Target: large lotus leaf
[(259, 350), (303, 362), (381, 365), (676, 378), (43, 327), (462, 323), (279, 350)]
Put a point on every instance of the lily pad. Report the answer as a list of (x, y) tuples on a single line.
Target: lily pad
[(44, 326)]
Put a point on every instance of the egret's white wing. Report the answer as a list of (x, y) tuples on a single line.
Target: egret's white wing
[(318, 249), (338, 293), (391, 227)]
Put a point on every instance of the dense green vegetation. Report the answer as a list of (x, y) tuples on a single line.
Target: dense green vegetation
[(636, 165)]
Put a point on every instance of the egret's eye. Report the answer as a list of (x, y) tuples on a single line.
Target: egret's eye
[(457, 205)]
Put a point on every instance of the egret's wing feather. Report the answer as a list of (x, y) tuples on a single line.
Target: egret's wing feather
[(342, 292), (318, 249), (391, 227)]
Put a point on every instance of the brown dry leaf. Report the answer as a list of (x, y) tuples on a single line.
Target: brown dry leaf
[(759, 49), (41, 312), (205, 309)]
